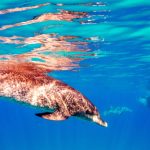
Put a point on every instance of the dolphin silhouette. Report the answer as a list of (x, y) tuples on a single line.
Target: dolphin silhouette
[(29, 83)]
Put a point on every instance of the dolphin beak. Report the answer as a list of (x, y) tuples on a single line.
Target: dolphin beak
[(100, 121)]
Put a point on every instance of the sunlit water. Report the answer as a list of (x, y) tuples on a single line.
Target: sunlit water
[(103, 51)]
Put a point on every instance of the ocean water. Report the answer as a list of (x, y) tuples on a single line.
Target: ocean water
[(103, 52)]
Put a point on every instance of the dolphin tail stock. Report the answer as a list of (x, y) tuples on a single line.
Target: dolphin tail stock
[(56, 115)]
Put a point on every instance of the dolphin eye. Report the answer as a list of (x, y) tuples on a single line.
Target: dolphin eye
[(88, 112)]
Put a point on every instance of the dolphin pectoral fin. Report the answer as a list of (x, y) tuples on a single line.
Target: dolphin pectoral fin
[(52, 116)]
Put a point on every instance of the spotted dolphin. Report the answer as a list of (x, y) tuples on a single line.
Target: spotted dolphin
[(29, 84)]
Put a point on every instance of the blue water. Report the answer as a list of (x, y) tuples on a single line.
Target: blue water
[(112, 69)]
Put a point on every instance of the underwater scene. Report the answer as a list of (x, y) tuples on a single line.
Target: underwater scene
[(74, 75)]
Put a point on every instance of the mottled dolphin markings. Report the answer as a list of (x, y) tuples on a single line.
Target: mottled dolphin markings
[(38, 89)]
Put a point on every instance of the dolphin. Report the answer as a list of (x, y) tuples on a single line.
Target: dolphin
[(27, 83)]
